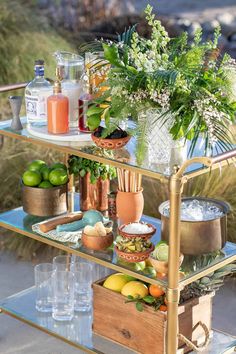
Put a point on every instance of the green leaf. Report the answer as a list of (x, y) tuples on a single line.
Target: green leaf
[(94, 121), (139, 306), (112, 55), (149, 299), (130, 297), (82, 173), (107, 116), (94, 110)]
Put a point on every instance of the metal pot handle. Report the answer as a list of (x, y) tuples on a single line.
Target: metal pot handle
[(194, 347)]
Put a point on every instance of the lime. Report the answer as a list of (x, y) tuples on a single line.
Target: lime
[(58, 176), (36, 165), (45, 184), (31, 178), (161, 252), (45, 170), (58, 165), (139, 266)]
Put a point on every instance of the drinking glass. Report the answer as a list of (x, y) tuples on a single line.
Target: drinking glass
[(43, 281), (63, 295), (64, 262), (83, 286)]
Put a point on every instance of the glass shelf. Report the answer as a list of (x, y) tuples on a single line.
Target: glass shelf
[(125, 158), (194, 267), (78, 332)]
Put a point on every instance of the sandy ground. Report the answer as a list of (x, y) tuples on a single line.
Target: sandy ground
[(19, 338)]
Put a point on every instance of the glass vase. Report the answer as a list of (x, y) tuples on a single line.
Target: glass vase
[(162, 151)]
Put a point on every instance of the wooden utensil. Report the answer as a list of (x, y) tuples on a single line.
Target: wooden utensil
[(52, 224)]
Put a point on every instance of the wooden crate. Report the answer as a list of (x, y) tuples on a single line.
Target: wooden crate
[(145, 331)]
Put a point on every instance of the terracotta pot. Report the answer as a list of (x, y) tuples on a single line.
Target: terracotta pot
[(129, 206), (94, 196), (110, 144)]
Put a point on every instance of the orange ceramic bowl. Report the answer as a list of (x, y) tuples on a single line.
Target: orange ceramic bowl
[(97, 243), (110, 144), (133, 257), (162, 266), (143, 236)]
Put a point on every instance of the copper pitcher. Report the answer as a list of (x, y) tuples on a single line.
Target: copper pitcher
[(94, 195)]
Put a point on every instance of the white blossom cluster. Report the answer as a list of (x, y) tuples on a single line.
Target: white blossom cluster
[(162, 98), (210, 114), (137, 97)]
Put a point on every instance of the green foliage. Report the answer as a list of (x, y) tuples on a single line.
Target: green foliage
[(80, 166), (171, 75)]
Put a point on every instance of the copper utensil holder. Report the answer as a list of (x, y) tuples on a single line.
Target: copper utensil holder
[(94, 195)]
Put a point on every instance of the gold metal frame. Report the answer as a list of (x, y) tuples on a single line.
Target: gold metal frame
[(176, 187), (177, 181)]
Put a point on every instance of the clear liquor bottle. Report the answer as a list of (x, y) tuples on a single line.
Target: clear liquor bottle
[(36, 94)]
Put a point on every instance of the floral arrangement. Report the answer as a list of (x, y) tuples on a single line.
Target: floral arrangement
[(189, 84)]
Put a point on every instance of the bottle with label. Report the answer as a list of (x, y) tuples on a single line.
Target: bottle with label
[(36, 94), (58, 109), (84, 102)]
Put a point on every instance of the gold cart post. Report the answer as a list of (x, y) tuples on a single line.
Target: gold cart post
[(173, 273)]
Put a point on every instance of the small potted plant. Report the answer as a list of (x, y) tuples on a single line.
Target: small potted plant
[(94, 181)]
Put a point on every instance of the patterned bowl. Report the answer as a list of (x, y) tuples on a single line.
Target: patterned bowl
[(133, 257), (110, 144), (143, 236)]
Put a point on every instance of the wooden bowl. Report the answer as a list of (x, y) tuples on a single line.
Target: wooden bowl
[(133, 257), (110, 144), (143, 236), (162, 266), (97, 243), (44, 201)]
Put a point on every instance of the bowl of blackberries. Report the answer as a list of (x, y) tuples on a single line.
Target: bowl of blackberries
[(116, 140)]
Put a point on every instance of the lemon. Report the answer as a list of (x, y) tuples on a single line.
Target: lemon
[(116, 282), (36, 165), (135, 289), (31, 178)]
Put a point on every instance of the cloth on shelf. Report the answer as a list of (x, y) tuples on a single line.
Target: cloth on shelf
[(62, 236)]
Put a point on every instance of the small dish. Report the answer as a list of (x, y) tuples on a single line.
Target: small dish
[(143, 236), (97, 243), (133, 257), (110, 144), (162, 266)]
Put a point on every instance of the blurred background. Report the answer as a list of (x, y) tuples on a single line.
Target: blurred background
[(33, 29)]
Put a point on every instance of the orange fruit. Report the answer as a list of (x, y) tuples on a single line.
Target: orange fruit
[(163, 308), (156, 290)]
